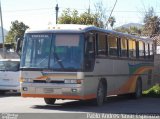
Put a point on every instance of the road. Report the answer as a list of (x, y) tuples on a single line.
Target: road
[(13, 103)]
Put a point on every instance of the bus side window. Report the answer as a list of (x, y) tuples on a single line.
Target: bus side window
[(90, 53), (101, 44), (124, 52), (112, 45), (132, 48), (146, 50), (151, 51), (141, 49)]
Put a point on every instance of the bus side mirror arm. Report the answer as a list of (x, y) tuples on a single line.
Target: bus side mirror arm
[(19, 46)]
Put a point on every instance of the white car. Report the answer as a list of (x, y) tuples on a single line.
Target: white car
[(9, 75)]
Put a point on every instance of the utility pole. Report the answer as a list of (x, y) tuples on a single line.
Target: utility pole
[(111, 13), (56, 8), (4, 56), (89, 9)]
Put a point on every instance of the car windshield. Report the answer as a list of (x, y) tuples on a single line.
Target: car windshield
[(9, 65), (53, 51)]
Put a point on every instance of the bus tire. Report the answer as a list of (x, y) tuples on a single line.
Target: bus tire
[(2, 92), (138, 89), (50, 101), (101, 94)]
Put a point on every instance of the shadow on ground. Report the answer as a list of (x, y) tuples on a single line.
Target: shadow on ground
[(114, 105), (9, 94)]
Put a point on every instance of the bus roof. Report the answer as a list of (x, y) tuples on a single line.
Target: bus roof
[(9, 59), (63, 28), (75, 28)]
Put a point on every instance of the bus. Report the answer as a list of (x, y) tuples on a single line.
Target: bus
[(9, 75), (83, 62)]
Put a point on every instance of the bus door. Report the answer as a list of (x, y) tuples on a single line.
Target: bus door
[(90, 52)]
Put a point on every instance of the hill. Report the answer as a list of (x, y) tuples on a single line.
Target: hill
[(131, 25)]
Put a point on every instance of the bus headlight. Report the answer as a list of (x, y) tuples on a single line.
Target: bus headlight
[(28, 80), (73, 81)]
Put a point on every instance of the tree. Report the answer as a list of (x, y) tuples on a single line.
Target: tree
[(151, 23), (65, 17), (130, 30), (17, 30), (101, 14), (135, 30), (112, 21), (87, 18), (73, 17)]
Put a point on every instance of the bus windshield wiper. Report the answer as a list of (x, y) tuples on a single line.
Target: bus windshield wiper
[(58, 60)]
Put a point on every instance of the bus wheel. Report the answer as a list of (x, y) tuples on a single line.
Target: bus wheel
[(49, 101), (2, 92), (100, 94), (138, 89)]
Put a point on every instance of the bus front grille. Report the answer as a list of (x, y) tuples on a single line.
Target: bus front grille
[(44, 81)]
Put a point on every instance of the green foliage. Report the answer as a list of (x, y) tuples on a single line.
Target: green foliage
[(149, 14), (130, 30), (151, 23), (65, 17), (9, 37), (73, 17), (153, 92), (86, 18), (17, 30)]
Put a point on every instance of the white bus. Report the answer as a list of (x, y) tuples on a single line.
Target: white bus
[(9, 75), (84, 62)]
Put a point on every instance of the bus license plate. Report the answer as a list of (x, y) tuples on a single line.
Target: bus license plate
[(48, 90), (6, 79)]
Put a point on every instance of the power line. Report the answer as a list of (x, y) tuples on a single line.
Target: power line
[(27, 10), (111, 12), (63, 8)]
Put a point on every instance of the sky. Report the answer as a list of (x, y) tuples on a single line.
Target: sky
[(39, 13)]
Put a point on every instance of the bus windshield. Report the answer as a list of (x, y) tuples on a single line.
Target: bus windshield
[(53, 51)]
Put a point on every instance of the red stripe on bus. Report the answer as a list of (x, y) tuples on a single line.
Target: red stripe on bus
[(91, 96)]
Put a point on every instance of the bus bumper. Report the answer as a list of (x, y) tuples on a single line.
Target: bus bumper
[(57, 91)]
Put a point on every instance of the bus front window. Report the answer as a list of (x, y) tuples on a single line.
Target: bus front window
[(67, 52), (60, 52), (36, 51)]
